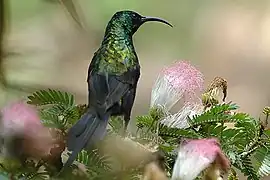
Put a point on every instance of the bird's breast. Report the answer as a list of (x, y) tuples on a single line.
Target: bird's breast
[(118, 62)]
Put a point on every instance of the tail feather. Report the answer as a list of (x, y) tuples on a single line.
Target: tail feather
[(88, 130), (77, 130)]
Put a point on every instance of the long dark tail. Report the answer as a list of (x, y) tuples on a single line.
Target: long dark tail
[(88, 130)]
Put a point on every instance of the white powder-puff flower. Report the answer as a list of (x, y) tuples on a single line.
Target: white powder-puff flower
[(196, 156), (180, 119), (179, 81)]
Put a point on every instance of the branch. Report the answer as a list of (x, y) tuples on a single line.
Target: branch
[(70, 7), (2, 31)]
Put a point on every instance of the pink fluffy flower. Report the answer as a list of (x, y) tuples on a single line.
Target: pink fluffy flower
[(21, 120), (195, 156), (20, 117), (181, 80)]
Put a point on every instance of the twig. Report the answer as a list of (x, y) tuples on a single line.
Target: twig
[(266, 120), (251, 149), (2, 31), (70, 7)]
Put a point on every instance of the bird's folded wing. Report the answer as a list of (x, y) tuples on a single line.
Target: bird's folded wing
[(105, 90)]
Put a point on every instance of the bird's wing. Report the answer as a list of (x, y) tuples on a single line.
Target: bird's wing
[(106, 89)]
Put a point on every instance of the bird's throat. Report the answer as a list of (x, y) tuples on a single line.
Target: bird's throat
[(117, 33), (118, 53)]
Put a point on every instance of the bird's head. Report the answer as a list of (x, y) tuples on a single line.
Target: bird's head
[(130, 21)]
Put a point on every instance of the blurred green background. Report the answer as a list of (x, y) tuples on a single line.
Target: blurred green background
[(221, 38)]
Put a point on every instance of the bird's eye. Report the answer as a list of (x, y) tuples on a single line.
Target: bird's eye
[(133, 15)]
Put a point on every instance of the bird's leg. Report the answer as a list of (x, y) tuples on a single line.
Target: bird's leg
[(127, 104), (126, 121)]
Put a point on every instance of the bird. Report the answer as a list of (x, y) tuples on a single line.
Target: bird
[(112, 80)]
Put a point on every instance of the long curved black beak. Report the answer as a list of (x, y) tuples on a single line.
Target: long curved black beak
[(146, 19)]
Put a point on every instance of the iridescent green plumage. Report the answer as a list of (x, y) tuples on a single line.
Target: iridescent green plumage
[(112, 81), (116, 56), (117, 53)]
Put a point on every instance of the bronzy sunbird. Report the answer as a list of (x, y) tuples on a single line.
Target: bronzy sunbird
[(112, 81)]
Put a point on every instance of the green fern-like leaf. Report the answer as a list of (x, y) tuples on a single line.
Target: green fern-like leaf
[(69, 114), (156, 113), (116, 123), (145, 121), (177, 133), (250, 126), (151, 121), (59, 116), (248, 169), (233, 138), (94, 161), (262, 156), (51, 120), (217, 114), (45, 97), (170, 156)]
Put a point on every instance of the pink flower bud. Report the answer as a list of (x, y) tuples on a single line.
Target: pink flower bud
[(195, 156), (21, 119)]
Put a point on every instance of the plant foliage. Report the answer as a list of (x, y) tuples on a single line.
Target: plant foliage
[(247, 144)]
